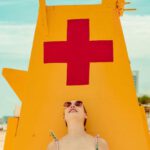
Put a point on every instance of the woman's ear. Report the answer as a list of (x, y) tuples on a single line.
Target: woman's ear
[(85, 116)]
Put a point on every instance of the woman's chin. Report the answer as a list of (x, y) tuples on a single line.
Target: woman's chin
[(73, 115)]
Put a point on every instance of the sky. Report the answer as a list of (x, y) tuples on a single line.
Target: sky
[(17, 25)]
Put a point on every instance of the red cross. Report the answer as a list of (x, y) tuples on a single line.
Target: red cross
[(78, 52)]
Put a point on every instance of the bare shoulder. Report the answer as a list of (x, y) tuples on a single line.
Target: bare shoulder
[(103, 145), (51, 146)]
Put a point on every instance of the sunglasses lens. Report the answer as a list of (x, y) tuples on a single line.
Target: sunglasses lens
[(78, 103), (67, 104)]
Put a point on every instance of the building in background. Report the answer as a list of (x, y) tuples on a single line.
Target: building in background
[(3, 128), (136, 80)]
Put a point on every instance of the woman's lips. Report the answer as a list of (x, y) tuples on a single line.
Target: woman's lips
[(72, 110)]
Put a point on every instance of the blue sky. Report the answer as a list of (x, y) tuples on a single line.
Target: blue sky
[(17, 24)]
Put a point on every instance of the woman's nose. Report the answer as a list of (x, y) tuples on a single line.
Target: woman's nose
[(72, 106)]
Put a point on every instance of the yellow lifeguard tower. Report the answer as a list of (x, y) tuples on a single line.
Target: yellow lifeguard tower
[(78, 52)]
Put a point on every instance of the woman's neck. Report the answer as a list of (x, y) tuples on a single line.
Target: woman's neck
[(76, 128)]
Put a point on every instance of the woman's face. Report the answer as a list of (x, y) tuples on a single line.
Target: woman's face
[(74, 110)]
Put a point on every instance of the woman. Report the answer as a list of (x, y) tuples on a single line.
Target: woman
[(77, 138)]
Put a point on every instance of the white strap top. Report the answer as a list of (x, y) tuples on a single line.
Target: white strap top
[(96, 143)]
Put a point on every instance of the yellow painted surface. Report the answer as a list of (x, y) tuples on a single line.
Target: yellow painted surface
[(110, 98), (11, 132)]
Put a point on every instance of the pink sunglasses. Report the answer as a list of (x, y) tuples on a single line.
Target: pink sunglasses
[(76, 103)]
